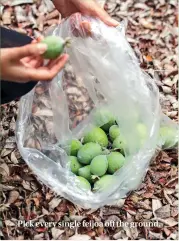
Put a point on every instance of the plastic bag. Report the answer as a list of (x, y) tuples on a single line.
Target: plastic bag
[(103, 73)]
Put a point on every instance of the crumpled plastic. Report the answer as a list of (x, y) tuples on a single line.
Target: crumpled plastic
[(112, 79)]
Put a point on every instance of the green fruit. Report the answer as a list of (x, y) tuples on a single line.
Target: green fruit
[(168, 136), (99, 165), (55, 46), (97, 135), (88, 151), (114, 132), (142, 130), (108, 125), (105, 119), (74, 165), (133, 115), (103, 182), (83, 183), (115, 162), (75, 145), (85, 172), (119, 143)]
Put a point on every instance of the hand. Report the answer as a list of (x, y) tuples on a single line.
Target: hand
[(24, 64), (88, 7)]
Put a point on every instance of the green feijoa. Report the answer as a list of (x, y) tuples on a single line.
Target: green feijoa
[(104, 118), (168, 136), (74, 164), (85, 172), (55, 46), (142, 130), (83, 183), (96, 135), (104, 182), (114, 132), (99, 165), (115, 162), (88, 151), (75, 145), (119, 143)]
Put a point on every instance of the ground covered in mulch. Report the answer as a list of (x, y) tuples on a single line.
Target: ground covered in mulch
[(152, 32)]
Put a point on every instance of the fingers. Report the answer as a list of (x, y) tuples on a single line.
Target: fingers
[(99, 12), (47, 72), (86, 27), (107, 19), (28, 50), (26, 59), (34, 62), (58, 64), (37, 40), (94, 9)]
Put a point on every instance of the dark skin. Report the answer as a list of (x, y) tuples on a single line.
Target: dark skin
[(22, 64)]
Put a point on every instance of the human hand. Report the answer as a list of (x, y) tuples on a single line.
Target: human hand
[(88, 7), (24, 64)]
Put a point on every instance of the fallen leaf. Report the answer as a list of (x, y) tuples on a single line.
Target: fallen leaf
[(13, 158), (167, 231), (44, 211), (167, 197), (4, 169), (27, 185), (131, 232), (163, 212), (147, 215), (155, 236), (171, 222), (80, 237), (36, 201), (172, 182), (54, 203), (6, 187), (41, 230), (118, 235), (20, 237), (174, 211), (4, 207), (149, 58), (39, 236), (78, 218), (13, 196), (9, 223), (56, 233), (167, 90), (146, 24), (156, 204)]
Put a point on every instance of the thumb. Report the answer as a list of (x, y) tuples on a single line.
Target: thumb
[(28, 50)]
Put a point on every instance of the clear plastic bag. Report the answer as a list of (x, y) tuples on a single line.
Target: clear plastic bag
[(103, 73)]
